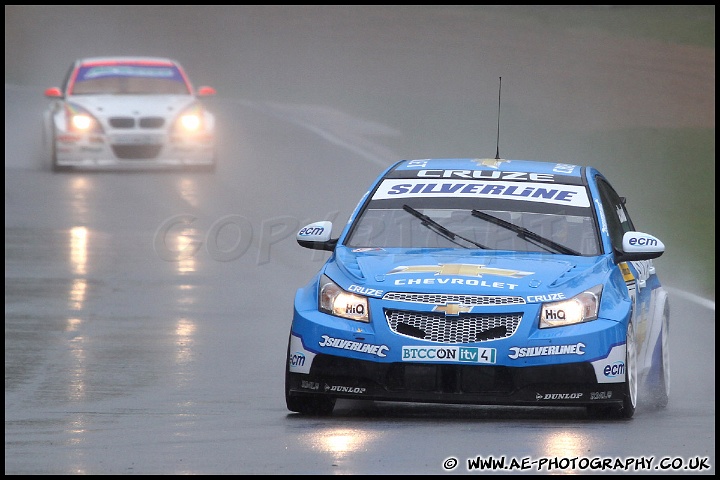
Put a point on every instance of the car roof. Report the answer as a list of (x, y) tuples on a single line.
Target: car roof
[(411, 167), (126, 59)]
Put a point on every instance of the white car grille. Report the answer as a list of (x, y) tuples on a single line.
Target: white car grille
[(130, 122)]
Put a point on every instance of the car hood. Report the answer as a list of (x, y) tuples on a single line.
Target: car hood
[(464, 272), (133, 105)]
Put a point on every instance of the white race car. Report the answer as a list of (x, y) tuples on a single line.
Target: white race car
[(118, 113)]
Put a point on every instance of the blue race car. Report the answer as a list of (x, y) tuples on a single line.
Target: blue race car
[(486, 282)]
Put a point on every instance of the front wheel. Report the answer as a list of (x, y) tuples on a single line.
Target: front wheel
[(630, 389), (50, 149)]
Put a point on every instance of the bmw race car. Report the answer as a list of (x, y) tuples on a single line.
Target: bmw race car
[(486, 282), (128, 113)]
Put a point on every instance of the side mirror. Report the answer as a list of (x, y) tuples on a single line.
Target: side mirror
[(206, 91), (639, 246), (316, 236), (53, 92)]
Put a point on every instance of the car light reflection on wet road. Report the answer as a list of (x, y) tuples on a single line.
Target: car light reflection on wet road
[(189, 191), (184, 341), (340, 442), (79, 206), (79, 249), (566, 444)]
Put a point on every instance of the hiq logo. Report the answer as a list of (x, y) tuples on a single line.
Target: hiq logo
[(356, 309), (554, 314), (614, 370), (297, 359)]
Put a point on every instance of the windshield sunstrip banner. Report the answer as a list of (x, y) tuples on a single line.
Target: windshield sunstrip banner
[(559, 175), (569, 195), (101, 71)]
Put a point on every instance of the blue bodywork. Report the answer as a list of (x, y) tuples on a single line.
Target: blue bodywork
[(454, 324)]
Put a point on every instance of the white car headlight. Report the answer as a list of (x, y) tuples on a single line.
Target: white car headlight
[(336, 301), (583, 307), (80, 120), (191, 120)]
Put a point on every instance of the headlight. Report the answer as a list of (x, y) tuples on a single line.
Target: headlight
[(336, 301), (190, 121), (583, 307), (80, 120)]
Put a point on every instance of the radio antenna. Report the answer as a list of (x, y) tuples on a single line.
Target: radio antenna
[(497, 152)]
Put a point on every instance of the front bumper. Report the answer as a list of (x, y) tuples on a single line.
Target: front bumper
[(164, 152), (552, 385), (577, 365)]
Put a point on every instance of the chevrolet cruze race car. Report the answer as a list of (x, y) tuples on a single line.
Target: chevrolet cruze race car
[(487, 282), (128, 113)]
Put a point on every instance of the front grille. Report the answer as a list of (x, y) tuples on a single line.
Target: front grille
[(463, 328), (152, 122), (441, 299), (136, 152), (122, 122), (129, 122)]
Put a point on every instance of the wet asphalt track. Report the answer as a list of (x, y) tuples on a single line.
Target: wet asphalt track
[(121, 360)]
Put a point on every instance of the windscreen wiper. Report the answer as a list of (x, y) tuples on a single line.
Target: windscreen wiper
[(440, 229), (526, 234)]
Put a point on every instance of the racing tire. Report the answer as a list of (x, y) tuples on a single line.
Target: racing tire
[(49, 141), (53, 156), (306, 404), (659, 389), (630, 388)]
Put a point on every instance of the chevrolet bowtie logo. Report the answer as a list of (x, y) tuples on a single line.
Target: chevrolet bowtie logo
[(460, 269), (452, 309)]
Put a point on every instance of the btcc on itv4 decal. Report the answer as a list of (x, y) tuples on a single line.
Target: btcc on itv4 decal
[(484, 282), (129, 113)]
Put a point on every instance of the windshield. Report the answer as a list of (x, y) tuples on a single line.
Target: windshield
[(129, 80), (443, 219)]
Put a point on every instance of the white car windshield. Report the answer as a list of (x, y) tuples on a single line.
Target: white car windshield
[(129, 80)]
